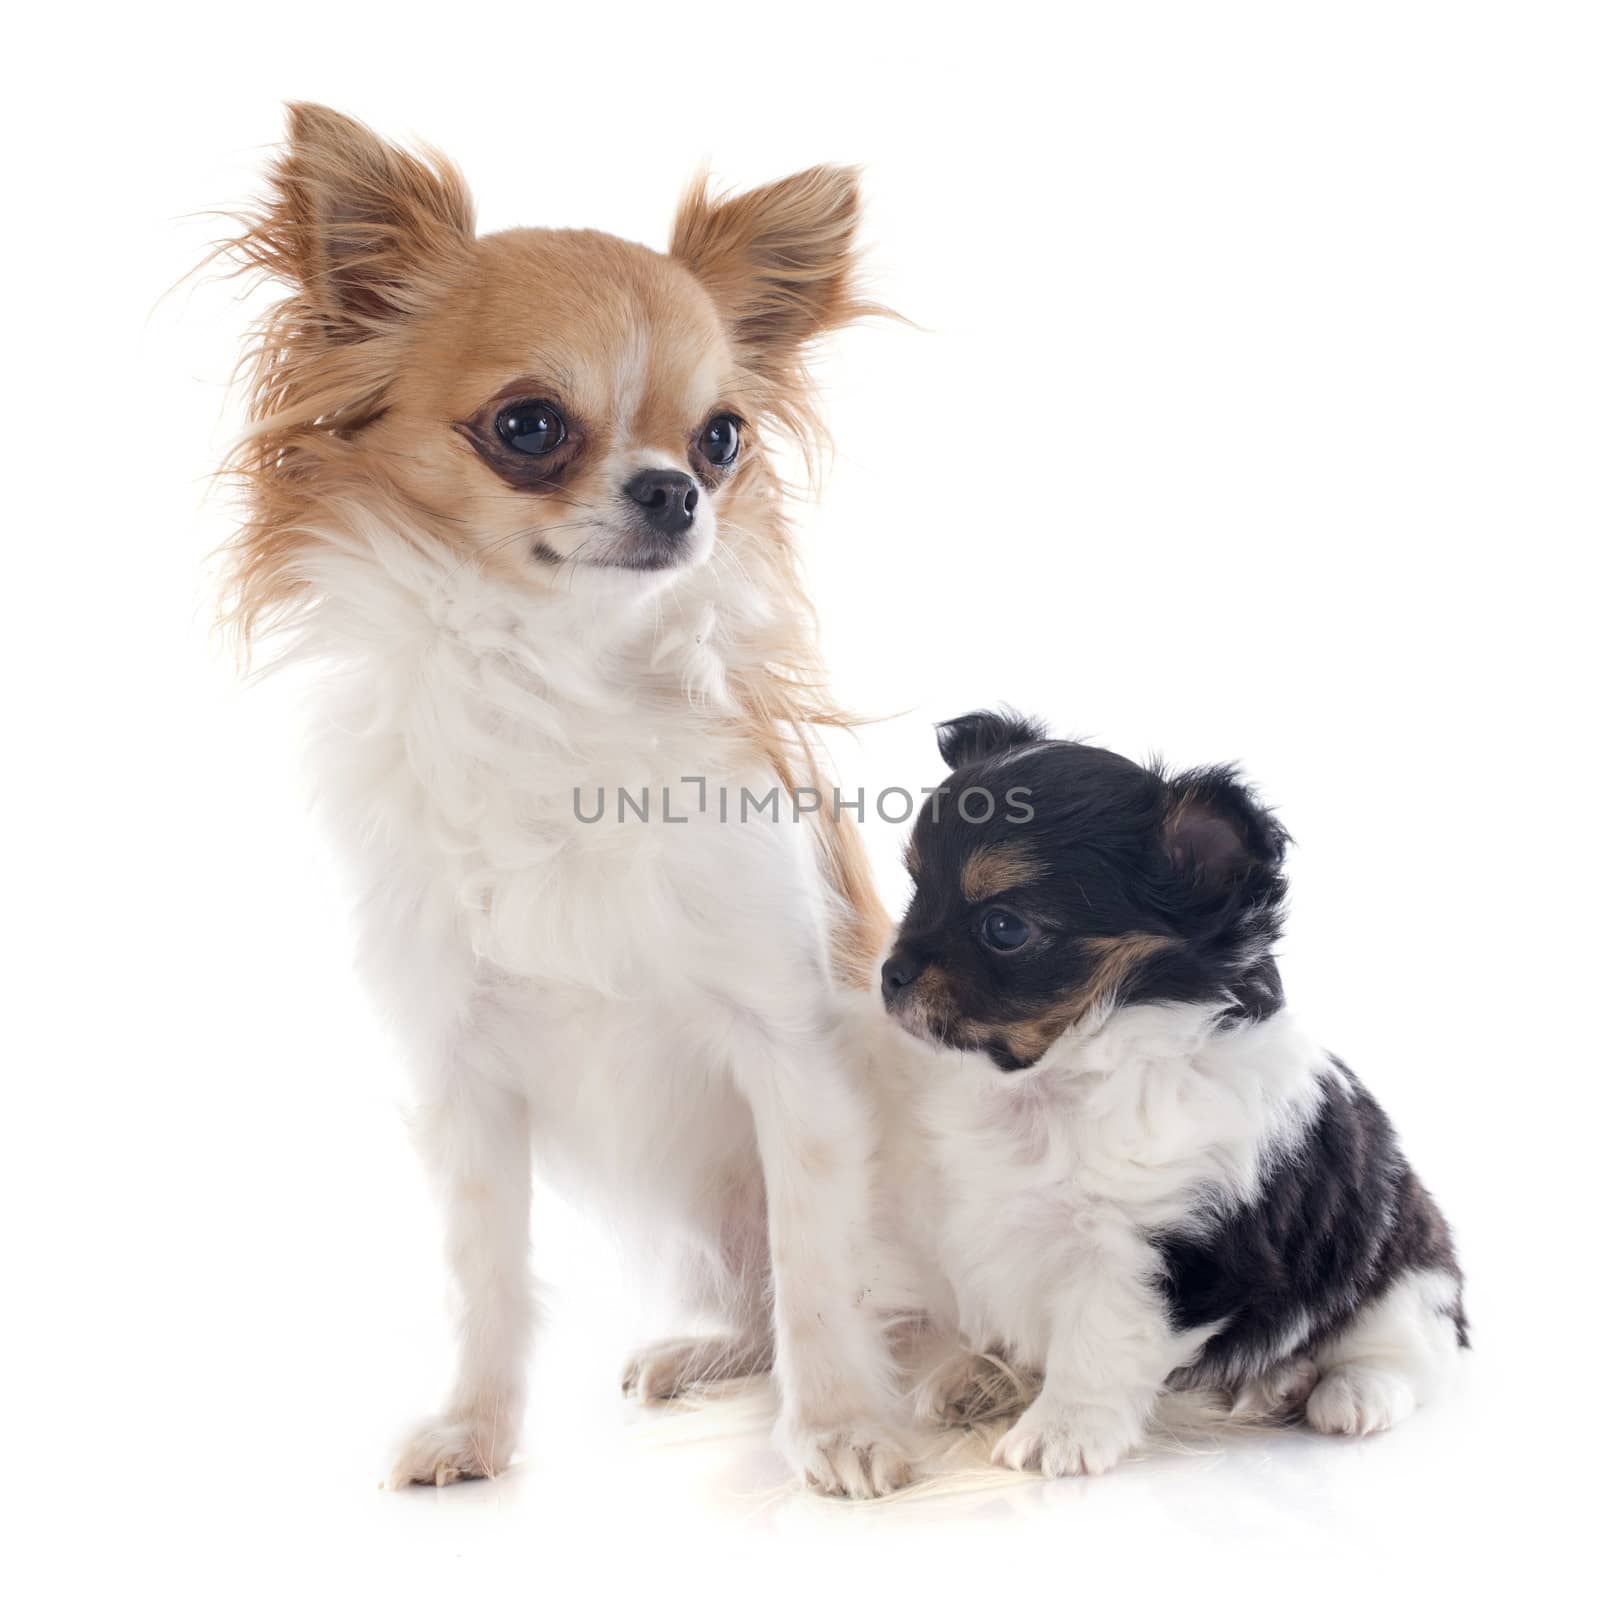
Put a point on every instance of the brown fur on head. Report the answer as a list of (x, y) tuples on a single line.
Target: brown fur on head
[(382, 386)]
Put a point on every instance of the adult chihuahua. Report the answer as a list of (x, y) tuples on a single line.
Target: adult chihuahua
[(515, 495)]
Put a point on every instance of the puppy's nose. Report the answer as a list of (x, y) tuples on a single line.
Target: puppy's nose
[(899, 972), (667, 499)]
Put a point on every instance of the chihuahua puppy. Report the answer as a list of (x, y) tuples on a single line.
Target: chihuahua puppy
[(515, 498), (1143, 1173)]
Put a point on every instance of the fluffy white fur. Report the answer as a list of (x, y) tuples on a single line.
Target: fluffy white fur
[(644, 1010), (1026, 1201)]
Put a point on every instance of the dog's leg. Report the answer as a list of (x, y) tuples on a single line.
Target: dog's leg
[(833, 1365), (1110, 1349), (474, 1136), (733, 1289), (723, 1277)]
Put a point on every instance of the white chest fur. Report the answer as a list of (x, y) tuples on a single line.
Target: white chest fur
[(464, 745), (1109, 1139)]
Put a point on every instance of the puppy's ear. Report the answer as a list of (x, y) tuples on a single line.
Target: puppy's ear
[(1218, 836), (981, 734), (363, 229), (779, 262)]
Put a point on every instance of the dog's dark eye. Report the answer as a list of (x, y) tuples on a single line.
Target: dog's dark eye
[(719, 441), (532, 427), (1005, 931)]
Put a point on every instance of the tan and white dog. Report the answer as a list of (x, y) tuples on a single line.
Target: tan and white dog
[(513, 495)]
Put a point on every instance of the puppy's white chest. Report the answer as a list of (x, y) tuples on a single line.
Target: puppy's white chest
[(1011, 1208), (1095, 1152)]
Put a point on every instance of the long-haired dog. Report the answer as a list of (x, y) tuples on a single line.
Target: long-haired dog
[(516, 497), (1132, 1169)]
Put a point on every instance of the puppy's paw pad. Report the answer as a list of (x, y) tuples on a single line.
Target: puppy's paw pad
[(1359, 1400), (852, 1463), (449, 1448), (1075, 1442), (968, 1389)]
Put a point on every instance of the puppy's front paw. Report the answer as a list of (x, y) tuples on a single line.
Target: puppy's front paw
[(852, 1463), (1066, 1441), (449, 1447)]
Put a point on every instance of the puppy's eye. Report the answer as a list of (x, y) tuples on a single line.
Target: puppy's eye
[(1005, 931), (531, 426), (719, 441)]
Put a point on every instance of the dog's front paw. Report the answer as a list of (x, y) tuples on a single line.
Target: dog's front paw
[(452, 1447), (1066, 1441), (851, 1463)]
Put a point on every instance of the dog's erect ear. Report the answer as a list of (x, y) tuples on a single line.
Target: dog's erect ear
[(779, 262), (362, 228), (981, 734), (1217, 835)]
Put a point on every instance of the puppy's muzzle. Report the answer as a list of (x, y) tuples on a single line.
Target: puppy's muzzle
[(900, 971)]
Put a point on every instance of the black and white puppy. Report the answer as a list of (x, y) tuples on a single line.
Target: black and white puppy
[(1144, 1174)]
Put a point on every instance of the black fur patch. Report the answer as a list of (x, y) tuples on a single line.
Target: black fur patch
[(1339, 1218), (981, 734), (1186, 869)]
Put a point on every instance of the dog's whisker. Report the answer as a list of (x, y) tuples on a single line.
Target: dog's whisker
[(535, 531)]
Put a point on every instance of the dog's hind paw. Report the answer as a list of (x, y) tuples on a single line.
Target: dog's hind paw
[(672, 1367), (970, 1388), (1277, 1395), (448, 1448), (1359, 1400)]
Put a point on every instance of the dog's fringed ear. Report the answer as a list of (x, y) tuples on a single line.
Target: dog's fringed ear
[(779, 262), (363, 229), (981, 734), (1217, 835)]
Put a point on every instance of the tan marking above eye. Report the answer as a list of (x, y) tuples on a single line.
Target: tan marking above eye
[(992, 869)]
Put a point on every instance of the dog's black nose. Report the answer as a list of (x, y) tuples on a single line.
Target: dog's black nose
[(899, 972), (668, 499)]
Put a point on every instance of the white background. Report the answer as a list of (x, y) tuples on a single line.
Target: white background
[(1250, 414)]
